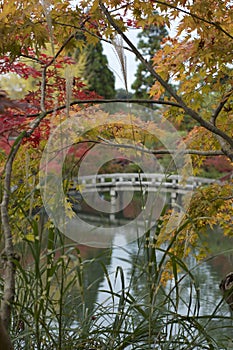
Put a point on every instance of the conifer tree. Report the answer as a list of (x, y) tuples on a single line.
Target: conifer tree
[(149, 43), (99, 77)]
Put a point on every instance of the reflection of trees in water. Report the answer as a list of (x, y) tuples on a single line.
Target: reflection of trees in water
[(221, 252), (200, 298), (138, 268), (83, 298), (76, 274), (142, 270), (131, 210)]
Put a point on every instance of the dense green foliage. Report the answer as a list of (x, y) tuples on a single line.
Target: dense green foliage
[(98, 76), (150, 39)]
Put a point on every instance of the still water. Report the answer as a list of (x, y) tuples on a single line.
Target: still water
[(208, 272), (207, 275)]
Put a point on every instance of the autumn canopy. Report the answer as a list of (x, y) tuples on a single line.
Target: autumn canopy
[(192, 88)]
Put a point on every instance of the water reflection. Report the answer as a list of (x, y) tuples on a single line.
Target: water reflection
[(208, 273), (93, 277), (207, 276)]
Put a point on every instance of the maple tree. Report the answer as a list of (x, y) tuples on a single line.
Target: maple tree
[(25, 122), (198, 59)]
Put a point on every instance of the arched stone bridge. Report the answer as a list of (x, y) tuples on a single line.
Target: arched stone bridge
[(139, 182), (118, 183)]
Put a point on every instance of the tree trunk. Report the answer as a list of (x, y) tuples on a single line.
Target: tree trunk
[(5, 342)]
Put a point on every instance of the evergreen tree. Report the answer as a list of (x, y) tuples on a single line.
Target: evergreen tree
[(123, 94), (99, 77), (149, 43)]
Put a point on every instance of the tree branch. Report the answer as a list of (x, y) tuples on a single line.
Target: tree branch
[(102, 101), (32, 58), (228, 198), (193, 114), (159, 151), (216, 25), (44, 71), (10, 256), (91, 33), (72, 36), (5, 342), (220, 106)]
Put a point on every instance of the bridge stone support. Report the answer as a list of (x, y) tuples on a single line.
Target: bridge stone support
[(113, 204), (173, 198)]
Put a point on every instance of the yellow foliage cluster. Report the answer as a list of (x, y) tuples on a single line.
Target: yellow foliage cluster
[(210, 207), (198, 61)]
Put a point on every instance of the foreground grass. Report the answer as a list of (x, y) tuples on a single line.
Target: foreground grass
[(56, 306)]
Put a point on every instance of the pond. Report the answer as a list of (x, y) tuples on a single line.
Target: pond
[(117, 298), (198, 292)]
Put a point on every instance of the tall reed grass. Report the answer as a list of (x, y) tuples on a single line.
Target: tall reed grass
[(138, 308)]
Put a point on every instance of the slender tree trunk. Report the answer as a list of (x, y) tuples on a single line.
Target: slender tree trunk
[(9, 269), (5, 342)]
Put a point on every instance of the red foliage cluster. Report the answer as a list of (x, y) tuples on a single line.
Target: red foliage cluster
[(16, 116), (220, 163), (20, 68)]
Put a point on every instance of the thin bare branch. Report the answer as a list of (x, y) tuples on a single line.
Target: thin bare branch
[(72, 36), (102, 101), (160, 151), (32, 58), (44, 71), (90, 33), (121, 7), (220, 106), (227, 198)]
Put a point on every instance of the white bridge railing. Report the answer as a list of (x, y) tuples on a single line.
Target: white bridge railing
[(116, 184), (138, 182)]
